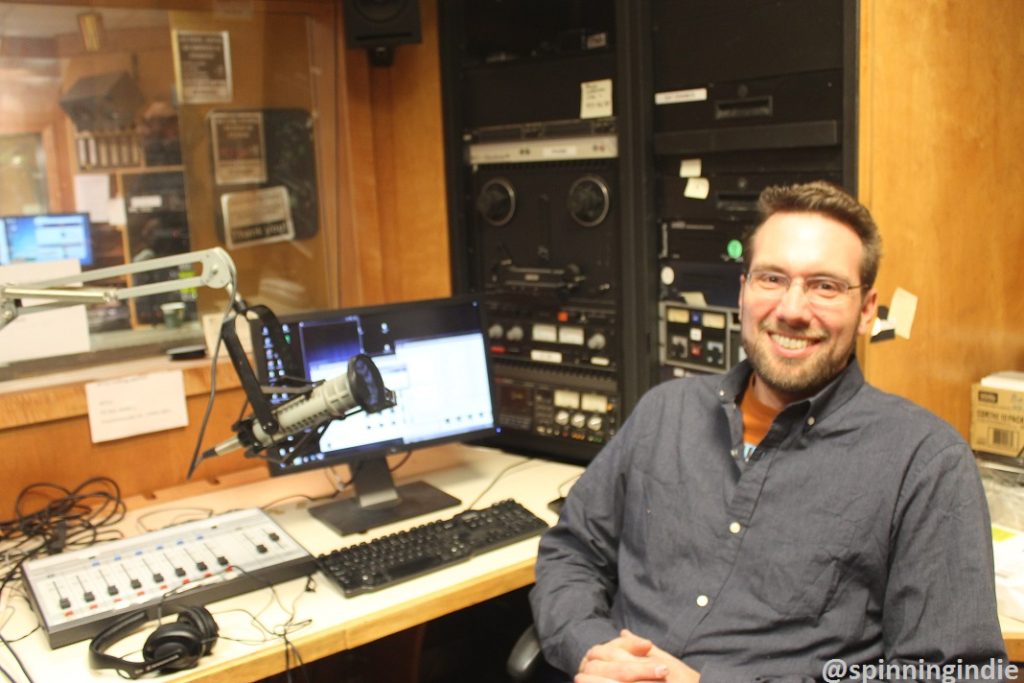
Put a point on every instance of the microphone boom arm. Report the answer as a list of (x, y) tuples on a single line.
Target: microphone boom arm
[(218, 271)]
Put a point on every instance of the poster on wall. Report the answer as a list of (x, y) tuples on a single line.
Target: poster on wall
[(239, 151), (257, 217), (202, 66)]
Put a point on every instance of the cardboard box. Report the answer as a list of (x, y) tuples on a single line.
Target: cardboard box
[(997, 420)]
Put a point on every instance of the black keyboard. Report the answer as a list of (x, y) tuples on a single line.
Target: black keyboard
[(401, 556)]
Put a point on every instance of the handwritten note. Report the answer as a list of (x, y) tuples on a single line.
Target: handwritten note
[(596, 99), (140, 404)]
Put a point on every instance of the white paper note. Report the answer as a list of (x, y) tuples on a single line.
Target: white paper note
[(41, 335), (136, 405), (92, 196), (689, 168), (902, 312), (697, 188), (596, 99), (116, 213)]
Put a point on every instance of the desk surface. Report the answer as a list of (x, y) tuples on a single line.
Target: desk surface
[(336, 623)]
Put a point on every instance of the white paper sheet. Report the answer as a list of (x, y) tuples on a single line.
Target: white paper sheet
[(139, 404), (92, 196), (697, 188), (596, 99), (41, 335), (902, 311)]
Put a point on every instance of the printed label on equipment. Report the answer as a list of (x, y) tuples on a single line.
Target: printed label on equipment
[(546, 356), (681, 96)]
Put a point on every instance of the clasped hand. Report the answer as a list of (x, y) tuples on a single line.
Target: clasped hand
[(630, 658)]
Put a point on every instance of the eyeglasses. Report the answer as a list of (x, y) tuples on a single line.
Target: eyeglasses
[(821, 290)]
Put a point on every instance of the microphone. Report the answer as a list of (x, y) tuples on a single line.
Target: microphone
[(361, 386)]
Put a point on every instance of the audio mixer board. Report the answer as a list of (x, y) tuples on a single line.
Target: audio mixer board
[(76, 594)]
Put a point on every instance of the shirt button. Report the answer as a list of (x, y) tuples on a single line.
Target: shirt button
[(702, 601), (721, 393), (810, 422), (735, 527)]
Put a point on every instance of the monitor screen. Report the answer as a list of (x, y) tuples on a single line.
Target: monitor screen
[(432, 354), (48, 237), (5, 257)]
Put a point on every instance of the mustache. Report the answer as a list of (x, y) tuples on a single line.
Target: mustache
[(786, 330)]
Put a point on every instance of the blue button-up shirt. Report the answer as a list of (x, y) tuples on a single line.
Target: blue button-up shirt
[(858, 530)]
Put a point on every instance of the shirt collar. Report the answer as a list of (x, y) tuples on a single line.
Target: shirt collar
[(833, 395)]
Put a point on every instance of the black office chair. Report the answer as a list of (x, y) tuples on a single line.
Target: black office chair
[(526, 663)]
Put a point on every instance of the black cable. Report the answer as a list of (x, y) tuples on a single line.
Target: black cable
[(286, 628), (497, 477), (405, 459), (16, 659), (69, 517), (196, 459)]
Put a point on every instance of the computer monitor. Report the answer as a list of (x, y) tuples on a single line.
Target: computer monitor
[(431, 353), (48, 237)]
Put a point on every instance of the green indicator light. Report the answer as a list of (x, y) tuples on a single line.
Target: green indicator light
[(734, 249)]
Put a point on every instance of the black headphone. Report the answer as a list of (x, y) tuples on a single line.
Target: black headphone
[(171, 647)]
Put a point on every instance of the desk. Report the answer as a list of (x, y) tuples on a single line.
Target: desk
[(338, 623)]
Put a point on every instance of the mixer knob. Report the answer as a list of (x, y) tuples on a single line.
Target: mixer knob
[(515, 333), (578, 420), (597, 342), (594, 423), (495, 331), (562, 417)]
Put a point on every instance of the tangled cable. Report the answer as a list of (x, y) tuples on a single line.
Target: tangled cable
[(67, 518)]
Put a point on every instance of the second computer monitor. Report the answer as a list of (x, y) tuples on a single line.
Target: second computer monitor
[(432, 354), (47, 237)]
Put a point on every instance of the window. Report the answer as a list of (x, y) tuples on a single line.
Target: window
[(170, 129)]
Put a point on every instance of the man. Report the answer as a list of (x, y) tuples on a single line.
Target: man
[(754, 526)]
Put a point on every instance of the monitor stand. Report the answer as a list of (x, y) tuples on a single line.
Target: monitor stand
[(378, 501)]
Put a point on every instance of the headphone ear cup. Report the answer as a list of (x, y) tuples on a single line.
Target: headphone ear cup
[(204, 624), (174, 639)]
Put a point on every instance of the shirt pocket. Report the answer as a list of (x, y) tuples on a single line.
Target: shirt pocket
[(793, 579)]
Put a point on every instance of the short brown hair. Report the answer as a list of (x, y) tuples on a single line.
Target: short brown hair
[(832, 201)]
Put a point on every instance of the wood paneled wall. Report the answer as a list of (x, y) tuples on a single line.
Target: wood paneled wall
[(397, 247), (940, 169)]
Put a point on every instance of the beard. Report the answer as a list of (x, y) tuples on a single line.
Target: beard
[(798, 377)]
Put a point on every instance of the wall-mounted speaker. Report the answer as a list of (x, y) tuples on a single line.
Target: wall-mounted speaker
[(379, 25)]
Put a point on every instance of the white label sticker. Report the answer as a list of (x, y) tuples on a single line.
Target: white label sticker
[(681, 96), (697, 188), (689, 168), (542, 356)]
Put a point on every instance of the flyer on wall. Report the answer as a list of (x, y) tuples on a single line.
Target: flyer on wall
[(202, 66), (239, 152), (257, 217)]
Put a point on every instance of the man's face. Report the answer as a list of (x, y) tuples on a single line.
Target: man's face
[(795, 343)]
